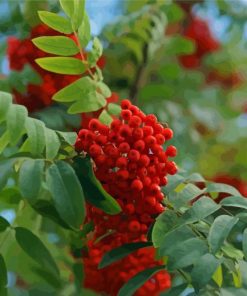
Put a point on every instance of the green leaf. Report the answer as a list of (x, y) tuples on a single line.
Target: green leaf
[(204, 270), (91, 102), (67, 193), (245, 243), (68, 7), (105, 118), (114, 109), (3, 224), (174, 238), (201, 209), (36, 133), (59, 45), (84, 31), (56, 22), (234, 201), (104, 89), (6, 169), (186, 253), (4, 141), (16, 119), (52, 143), (179, 45), (175, 291), (232, 252), (30, 178), (96, 52), (69, 137), (233, 292), (35, 249), (79, 9), (138, 280), (93, 190), (31, 8), (164, 223), (218, 276), (224, 188), (121, 252), (5, 102), (219, 231), (76, 90), (62, 65), (3, 273)]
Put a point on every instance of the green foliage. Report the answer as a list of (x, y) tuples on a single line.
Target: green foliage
[(3, 272), (56, 22)]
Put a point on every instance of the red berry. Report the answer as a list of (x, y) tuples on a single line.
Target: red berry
[(137, 185), (139, 145), (125, 104), (151, 119), (134, 226), (137, 133), (95, 150), (151, 201), (125, 131), (154, 189), (171, 168), (94, 124), (122, 175), (171, 151), (100, 159), (126, 114), (115, 124), (135, 121), (168, 133), (144, 160), (150, 140), (134, 109), (160, 139), (101, 140), (122, 162), (158, 128), (129, 209), (83, 134), (124, 147), (134, 155), (147, 131), (146, 181), (164, 181)]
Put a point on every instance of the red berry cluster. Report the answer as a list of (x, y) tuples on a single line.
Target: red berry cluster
[(112, 277), (198, 31), (131, 164), (22, 52)]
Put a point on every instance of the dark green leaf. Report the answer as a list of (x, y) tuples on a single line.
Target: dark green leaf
[(186, 253), (36, 133), (201, 209), (30, 178), (219, 231), (56, 22), (234, 201), (35, 249), (121, 252), (225, 188), (16, 118), (59, 45), (52, 143), (3, 224), (67, 193), (204, 270), (3, 273), (164, 223), (245, 243), (175, 291), (93, 189), (6, 169), (138, 280), (62, 65)]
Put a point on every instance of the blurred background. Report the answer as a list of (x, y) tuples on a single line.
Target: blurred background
[(184, 61)]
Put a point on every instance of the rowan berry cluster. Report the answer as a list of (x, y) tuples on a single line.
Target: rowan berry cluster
[(130, 162)]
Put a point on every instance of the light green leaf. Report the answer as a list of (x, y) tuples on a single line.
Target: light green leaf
[(5, 102), (52, 143), (93, 190), (204, 270), (35, 130), (69, 137), (16, 119), (68, 7), (138, 280), (4, 141), (218, 276), (35, 249), (76, 90), (79, 9), (186, 253), (62, 65), (114, 109), (56, 22), (91, 102), (96, 52), (84, 31), (67, 193), (245, 243), (105, 118), (3, 273), (59, 45), (121, 252), (3, 224), (201, 209), (232, 252), (104, 89), (219, 231), (30, 178), (234, 201)]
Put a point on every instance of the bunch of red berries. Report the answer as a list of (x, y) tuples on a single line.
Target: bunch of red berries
[(131, 164), (22, 52), (198, 31)]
